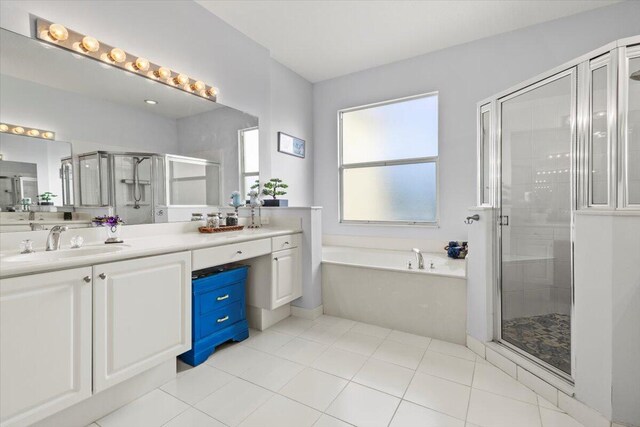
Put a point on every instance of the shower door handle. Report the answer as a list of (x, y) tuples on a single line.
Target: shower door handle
[(503, 220)]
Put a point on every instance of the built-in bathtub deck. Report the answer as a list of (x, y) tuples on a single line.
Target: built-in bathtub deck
[(376, 286), (383, 259)]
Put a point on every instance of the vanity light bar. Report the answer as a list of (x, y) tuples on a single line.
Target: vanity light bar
[(58, 35), (27, 131)]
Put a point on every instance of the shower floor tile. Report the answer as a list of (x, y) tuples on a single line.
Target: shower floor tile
[(547, 337)]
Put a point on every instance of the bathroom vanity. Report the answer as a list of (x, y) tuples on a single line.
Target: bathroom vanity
[(74, 326)]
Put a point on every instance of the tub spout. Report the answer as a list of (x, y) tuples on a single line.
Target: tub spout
[(419, 258)]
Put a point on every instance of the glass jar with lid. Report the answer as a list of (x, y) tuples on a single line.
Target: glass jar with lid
[(213, 220), (232, 219)]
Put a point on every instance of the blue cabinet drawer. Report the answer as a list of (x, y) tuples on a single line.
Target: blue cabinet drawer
[(219, 319), (218, 311), (218, 298)]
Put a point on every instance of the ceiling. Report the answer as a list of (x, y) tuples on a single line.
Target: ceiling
[(322, 39)]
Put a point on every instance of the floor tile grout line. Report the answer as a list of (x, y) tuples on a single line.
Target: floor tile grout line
[(367, 359), (473, 376)]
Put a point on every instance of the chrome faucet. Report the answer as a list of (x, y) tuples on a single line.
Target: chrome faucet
[(419, 258), (53, 240)]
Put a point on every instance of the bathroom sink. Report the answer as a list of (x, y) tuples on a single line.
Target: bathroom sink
[(62, 254)]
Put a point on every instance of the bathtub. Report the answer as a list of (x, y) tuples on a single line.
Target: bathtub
[(376, 286)]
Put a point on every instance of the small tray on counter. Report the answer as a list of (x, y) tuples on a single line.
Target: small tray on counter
[(220, 229)]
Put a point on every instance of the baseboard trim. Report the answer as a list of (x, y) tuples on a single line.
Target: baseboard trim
[(307, 313), (541, 382)]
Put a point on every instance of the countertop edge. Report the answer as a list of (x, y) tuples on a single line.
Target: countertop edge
[(27, 268)]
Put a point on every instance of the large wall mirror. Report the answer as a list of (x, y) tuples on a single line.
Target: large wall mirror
[(124, 145)]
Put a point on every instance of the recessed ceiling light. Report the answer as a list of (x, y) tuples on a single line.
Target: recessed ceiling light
[(150, 101)]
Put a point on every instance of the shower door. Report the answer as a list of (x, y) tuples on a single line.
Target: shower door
[(535, 198)]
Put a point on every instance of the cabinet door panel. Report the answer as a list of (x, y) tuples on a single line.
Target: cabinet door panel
[(286, 278), (142, 315), (45, 344)]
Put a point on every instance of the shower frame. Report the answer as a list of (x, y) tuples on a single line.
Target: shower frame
[(615, 56)]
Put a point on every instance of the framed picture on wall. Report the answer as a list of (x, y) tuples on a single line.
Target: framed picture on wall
[(291, 145)]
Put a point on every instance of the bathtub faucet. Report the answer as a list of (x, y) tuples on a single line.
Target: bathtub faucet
[(419, 258)]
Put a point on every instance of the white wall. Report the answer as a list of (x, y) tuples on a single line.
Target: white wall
[(214, 136), (291, 105), (72, 117), (463, 75), (184, 36)]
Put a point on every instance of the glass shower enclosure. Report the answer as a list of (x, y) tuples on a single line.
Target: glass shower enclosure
[(537, 139), (130, 185), (566, 140)]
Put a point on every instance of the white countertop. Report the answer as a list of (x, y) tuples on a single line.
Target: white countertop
[(137, 247)]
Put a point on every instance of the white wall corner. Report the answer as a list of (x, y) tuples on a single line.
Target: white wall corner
[(476, 346)]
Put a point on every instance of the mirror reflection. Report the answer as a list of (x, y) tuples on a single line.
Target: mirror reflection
[(125, 146)]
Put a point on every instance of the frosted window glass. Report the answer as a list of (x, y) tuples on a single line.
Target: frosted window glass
[(599, 147), (390, 193), (400, 130), (251, 151), (249, 180), (633, 134), (486, 158)]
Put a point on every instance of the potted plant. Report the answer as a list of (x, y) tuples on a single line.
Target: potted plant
[(112, 224), (46, 198), (274, 188)]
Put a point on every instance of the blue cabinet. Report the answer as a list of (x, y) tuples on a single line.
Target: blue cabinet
[(218, 311)]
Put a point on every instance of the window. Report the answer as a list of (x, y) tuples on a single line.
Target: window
[(484, 156), (249, 159), (389, 161)]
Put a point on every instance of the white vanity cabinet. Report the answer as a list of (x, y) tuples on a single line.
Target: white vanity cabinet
[(142, 315), (276, 279), (45, 344)]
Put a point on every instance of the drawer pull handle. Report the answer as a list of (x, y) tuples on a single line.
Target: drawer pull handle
[(286, 243), (102, 276), (222, 298), (87, 279), (223, 319), (275, 259), (239, 252)]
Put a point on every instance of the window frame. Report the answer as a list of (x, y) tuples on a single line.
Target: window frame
[(409, 161), (243, 174)]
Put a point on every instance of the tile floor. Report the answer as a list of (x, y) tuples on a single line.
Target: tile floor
[(335, 372)]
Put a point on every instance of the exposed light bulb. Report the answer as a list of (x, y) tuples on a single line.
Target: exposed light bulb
[(198, 86), (47, 135), (90, 44), (33, 132), (3, 127), (181, 79), (162, 73), (58, 32), (18, 130), (212, 91), (141, 64), (117, 55)]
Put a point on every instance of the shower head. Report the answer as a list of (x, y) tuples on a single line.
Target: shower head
[(635, 76)]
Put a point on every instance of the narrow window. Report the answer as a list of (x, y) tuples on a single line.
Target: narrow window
[(249, 159)]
